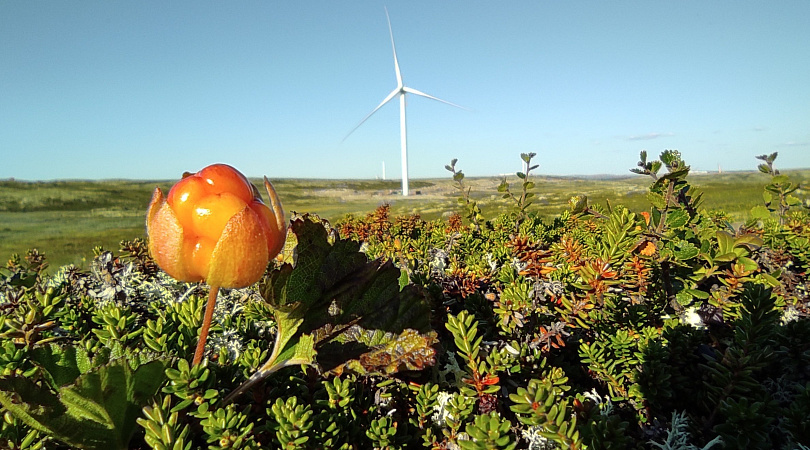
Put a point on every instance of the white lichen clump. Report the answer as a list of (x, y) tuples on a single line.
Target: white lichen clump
[(537, 441), (692, 318), (440, 411)]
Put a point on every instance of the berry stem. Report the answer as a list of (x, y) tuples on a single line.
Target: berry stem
[(209, 314)]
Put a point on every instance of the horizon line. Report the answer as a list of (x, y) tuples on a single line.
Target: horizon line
[(511, 174)]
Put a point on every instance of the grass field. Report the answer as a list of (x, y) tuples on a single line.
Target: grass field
[(66, 219)]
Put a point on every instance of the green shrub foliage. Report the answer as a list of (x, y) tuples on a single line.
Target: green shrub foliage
[(601, 327)]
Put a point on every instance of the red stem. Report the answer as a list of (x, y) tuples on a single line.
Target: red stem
[(209, 314)]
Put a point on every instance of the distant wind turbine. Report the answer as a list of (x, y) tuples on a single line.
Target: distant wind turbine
[(400, 90)]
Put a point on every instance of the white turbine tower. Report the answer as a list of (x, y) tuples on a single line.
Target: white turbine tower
[(400, 90)]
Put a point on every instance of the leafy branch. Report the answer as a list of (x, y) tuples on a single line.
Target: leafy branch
[(523, 201), (362, 314), (471, 209), (780, 186)]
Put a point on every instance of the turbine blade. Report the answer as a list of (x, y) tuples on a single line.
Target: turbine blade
[(386, 100), (394, 48), (420, 93)]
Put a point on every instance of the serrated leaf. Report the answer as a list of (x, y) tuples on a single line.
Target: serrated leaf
[(61, 365), (675, 175), (98, 411), (668, 157), (767, 197), (685, 250), (677, 218), (332, 290), (657, 200), (409, 350), (760, 213), (302, 353), (643, 156)]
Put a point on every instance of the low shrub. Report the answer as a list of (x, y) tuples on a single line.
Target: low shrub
[(602, 328)]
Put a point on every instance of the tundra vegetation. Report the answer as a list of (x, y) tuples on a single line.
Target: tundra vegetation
[(622, 321)]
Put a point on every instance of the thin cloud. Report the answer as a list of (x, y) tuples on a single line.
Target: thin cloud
[(794, 144), (649, 136)]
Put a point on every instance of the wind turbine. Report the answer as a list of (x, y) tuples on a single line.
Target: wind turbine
[(400, 91)]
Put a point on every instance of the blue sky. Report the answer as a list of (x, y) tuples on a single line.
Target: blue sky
[(147, 90)]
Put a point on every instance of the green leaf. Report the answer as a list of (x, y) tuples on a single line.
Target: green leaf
[(725, 242), (697, 293), (404, 279), (767, 197), (684, 297), (60, 365), (685, 250), (770, 279), (760, 213), (409, 350), (749, 241), (670, 157), (675, 175), (331, 297), (578, 203), (725, 257), (657, 200), (748, 263), (677, 218), (98, 411), (792, 201), (521, 175)]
